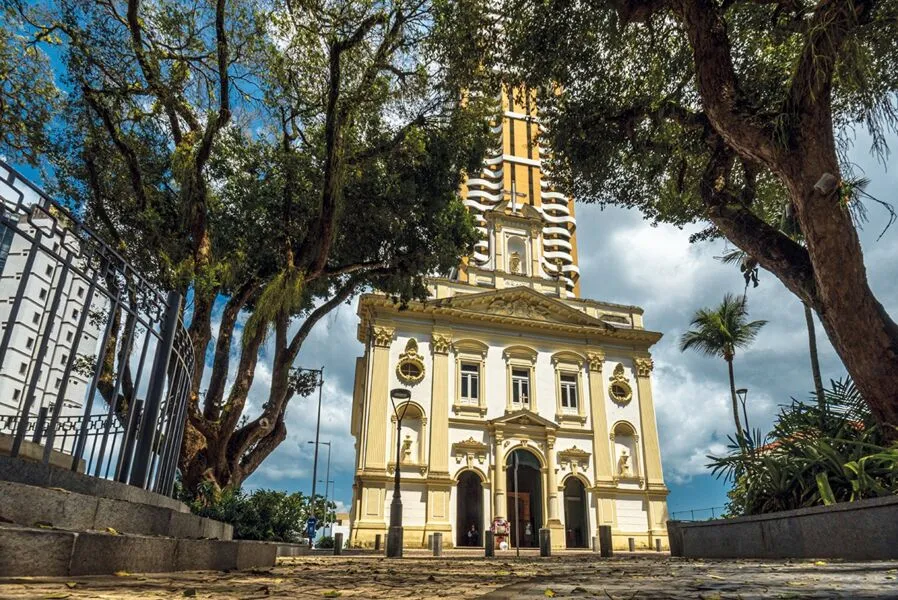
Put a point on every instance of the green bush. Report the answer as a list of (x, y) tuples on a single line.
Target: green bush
[(819, 452), (325, 542), (264, 515)]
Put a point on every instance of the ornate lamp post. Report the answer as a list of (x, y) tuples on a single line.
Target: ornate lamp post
[(399, 397)]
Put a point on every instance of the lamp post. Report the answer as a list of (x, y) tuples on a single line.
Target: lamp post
[(394, 536), (742, 394), (327, 478), (314, 518), (328, 485)]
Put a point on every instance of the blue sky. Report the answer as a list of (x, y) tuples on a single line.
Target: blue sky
[(624, 259)]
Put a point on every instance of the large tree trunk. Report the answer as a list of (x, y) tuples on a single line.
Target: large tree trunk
[(815, 360), (830, 275)]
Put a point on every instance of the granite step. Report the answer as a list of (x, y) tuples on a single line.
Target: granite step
[(45, 552), (30, 505)]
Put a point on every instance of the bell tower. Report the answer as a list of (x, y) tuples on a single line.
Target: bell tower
[(527, 228)]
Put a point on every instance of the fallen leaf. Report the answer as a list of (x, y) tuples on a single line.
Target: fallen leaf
[(71, 585), (715, 577), (43, 524), (122, 574), (503, 573), (549, 593), (111, 530), (820, 563)]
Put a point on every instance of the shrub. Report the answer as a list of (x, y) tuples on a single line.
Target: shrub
[(264, 515), (325, 542), (819, 452)]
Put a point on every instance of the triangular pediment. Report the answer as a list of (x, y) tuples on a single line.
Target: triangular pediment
[(521, 303), (523, 417)]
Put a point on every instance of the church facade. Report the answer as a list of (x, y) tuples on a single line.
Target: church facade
[(528, 403)]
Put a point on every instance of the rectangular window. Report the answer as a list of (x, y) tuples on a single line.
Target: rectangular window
[(36, 318), (75, 313), (68, 336), (58, 382), (42, 294), (520, 387), (63, 359), (22, 368), (49, 270), (29, 344), (16, 394), (80, 292), (568, 390), (470, 383)]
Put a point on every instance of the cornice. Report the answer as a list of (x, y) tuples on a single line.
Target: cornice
[(370, 305)]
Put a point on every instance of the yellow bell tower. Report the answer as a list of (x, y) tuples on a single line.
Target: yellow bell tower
[(527, 227)]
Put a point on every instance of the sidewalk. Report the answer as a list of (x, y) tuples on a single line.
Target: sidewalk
[(458, 575)]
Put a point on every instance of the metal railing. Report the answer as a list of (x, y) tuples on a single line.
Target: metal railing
[(698, 514), (95, 362)]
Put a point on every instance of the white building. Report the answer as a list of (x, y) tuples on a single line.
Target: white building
[(525, 399)]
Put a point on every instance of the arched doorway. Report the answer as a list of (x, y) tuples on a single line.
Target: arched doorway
[(576, 519), (529, 495), (469, 509)]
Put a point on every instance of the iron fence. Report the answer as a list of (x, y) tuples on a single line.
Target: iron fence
[(698, 514), (95, 362)]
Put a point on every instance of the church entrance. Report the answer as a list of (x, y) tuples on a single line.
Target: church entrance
[(469, 509), (529, 495), (576, 519)]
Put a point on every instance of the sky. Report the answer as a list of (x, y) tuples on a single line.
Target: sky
[(624, 259)]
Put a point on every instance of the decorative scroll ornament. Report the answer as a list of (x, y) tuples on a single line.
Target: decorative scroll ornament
[(644, 366), (440, 344), (574, 459), (519, 308), (469, 451), (382, 336), (620, 390), (410, 368), (596, 360)]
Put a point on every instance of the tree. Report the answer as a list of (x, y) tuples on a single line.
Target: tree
[(749, 268), (719, 332), (271, 158), (698, 110), (28, 93)]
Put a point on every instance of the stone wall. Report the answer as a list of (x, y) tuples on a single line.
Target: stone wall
[(863, 530)]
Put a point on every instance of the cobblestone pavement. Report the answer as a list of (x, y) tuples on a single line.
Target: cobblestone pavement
[(465, 575)]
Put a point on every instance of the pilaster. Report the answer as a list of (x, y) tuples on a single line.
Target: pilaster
[(376, 431), (438, 493), (554, 522), (600, 451), (651, 449), (499, 503)]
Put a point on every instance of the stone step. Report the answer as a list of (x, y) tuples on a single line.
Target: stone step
[(36, 552), (29, 505), (19, 470)]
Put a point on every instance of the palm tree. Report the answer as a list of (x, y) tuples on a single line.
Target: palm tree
[(719, 332), (750, 268)]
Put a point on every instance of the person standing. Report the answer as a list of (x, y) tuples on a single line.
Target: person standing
[(473, 535)]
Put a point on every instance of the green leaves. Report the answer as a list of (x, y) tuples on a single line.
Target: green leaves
[(720, 331), (817, 454)]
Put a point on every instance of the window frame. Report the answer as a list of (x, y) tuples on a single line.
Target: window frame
[(570, 365), (520, 358), (472, 353)]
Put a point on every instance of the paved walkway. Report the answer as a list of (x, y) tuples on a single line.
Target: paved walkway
[(463, 575)]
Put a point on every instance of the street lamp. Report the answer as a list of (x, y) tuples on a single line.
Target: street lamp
[(394, 537), (314, 519), (327, 478)]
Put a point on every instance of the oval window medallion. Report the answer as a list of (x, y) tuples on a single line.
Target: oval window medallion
[(411, 367), (620, 390)]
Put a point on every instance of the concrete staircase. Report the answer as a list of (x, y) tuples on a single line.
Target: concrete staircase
[(54, 522)]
